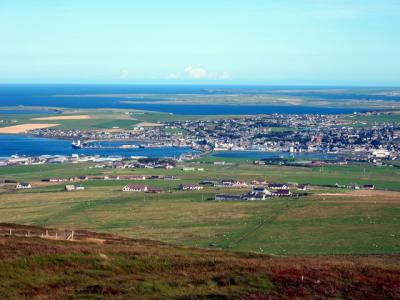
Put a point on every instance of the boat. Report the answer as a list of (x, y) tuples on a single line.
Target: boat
[(129, 146), (77, 144)]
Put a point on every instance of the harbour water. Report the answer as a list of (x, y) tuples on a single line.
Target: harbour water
[(34, 146)]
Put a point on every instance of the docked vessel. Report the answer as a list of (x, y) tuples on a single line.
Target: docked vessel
[(77, 144)]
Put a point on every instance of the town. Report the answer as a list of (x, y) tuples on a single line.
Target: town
[(332, 134)]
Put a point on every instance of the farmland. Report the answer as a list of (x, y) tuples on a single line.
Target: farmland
[(328, 221), (94, 119)]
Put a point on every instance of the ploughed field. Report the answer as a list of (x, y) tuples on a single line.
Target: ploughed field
[(104, 266), (329, 221)]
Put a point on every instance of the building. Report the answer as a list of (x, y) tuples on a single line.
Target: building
[(261, 190), (69, 188), (259, 182), (301, 187), (368, 187), (2, 181), (354, 186), (240, 184), (251, 196), (23, 185), (135, 188), (225, 197), (55, 179), (281, 193), (190, 187), (258, 193), (278, 186), (155, 190), (137, 177), (188, 169), (226, 183)]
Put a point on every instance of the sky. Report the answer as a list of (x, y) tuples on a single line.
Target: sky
[(288, 42)]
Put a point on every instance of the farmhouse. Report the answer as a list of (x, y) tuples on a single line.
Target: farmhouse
[(136, 177), (301, 187), (135, 188), (2, 181), (23, 185), (188, 169), (224, 197), (261, 190), (69, 187), (259, 182), (281, 193), (368, 187), (190, 187), (55, 179), (155, 190), (209, 182), (240, 184), (253, 196), (278, 186), (231, 183)]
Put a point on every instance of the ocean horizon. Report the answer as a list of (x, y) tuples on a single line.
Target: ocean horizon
[(75, 96)]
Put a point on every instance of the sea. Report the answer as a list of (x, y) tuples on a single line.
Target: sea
[(49, 96)]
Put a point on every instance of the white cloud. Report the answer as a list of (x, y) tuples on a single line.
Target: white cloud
[(191, 72), (124, 74), (196, 72)]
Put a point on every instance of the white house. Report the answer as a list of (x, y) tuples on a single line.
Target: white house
[(23, 185), (135, 188), (190, 187), (69, 187)]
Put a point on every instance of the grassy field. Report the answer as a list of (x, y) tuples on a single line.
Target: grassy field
[(328, 221), (101, 266), (102, 118), (394, 117)]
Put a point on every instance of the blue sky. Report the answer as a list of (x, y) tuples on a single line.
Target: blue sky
[(210, 41)]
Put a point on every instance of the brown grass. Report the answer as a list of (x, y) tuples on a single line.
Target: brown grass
[(117, 267)]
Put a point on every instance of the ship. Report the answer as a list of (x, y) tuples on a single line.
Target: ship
[(129, 146), (77, 144)]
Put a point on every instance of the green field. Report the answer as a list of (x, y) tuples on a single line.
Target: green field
[(321, 223), (102, 118), (362, 121)]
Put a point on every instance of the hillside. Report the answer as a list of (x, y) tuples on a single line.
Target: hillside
[(102, 266)]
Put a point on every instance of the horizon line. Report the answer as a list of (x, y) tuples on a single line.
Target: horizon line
[(205, 84)]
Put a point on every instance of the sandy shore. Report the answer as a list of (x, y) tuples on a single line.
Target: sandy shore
[(76, 117), (148, 124), (23, 128)]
